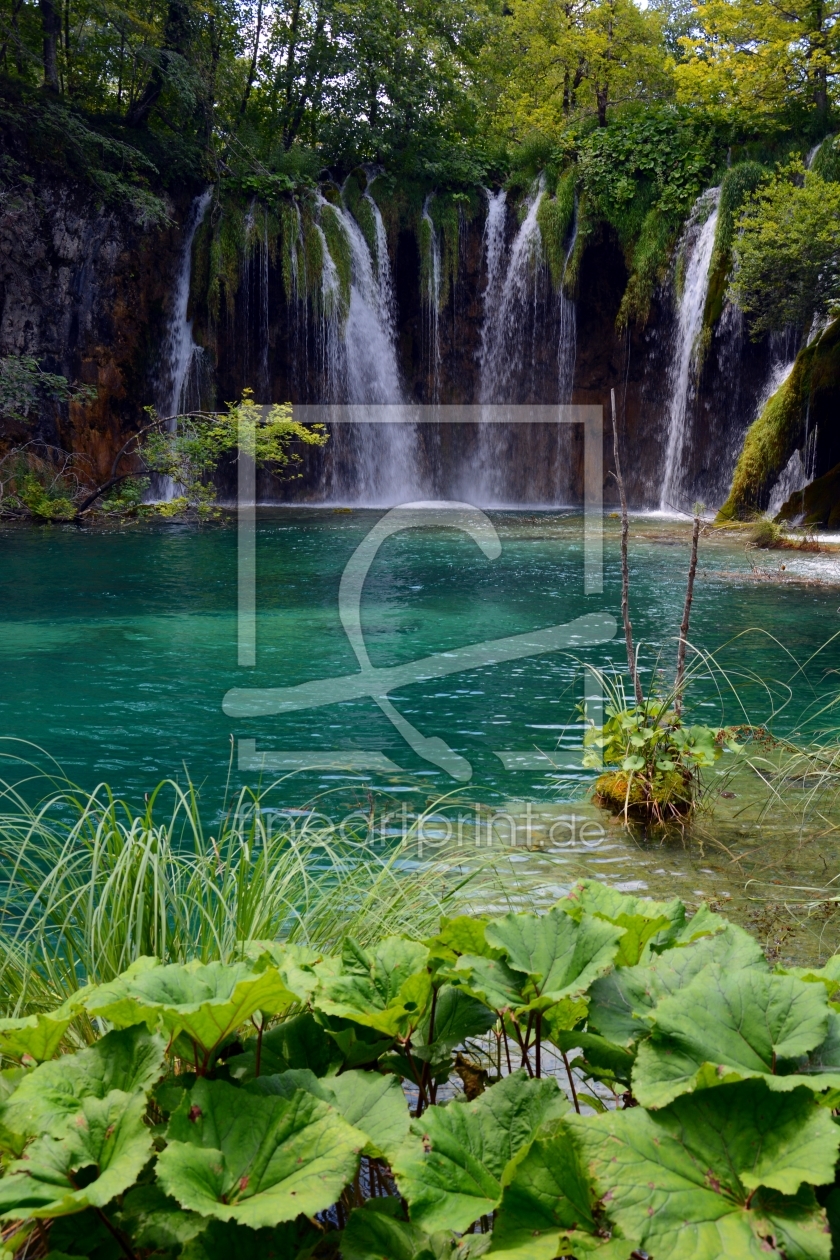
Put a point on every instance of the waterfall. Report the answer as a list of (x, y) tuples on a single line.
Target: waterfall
[(370, 464), (179, 352), (567, 341), (508, 304), (698, 244), (177, 387), (431, 295)]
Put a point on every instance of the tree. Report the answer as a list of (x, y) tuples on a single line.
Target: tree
[(787, 254), (557, 60), (756, 58)]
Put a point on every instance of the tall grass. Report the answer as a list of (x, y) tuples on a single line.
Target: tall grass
[(88, 886)]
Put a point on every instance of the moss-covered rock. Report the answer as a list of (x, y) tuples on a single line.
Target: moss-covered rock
[(554, 218), (737, 184), (811, 391), (817, 504)]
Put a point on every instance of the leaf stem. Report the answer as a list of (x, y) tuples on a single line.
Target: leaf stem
[(571, 1081)]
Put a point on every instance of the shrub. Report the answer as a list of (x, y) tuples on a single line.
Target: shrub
[(291, 1102)]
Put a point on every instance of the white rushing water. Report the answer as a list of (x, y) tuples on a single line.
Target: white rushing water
[(371, 464), (431, 301), (682, 374), (504, 348), (179, 351), (567, 341), (177, 388)]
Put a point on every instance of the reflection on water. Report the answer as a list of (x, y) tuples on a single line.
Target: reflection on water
[(118, 645)]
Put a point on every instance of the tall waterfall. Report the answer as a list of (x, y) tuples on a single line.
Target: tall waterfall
[(567, 341), (431, 299), (505, 350), (372, 464), (698, 243), (178, 384)]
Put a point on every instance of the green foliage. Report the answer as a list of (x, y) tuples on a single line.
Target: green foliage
[(739, 181), (659, 758), (779, 430), (727, 1073), (191, 452), (25, 387), (555, 216), (339, 250), (788, 251)]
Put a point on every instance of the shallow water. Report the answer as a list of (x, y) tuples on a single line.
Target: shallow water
[(119, 644)]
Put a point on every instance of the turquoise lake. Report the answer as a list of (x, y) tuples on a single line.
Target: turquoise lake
[(119, 645)]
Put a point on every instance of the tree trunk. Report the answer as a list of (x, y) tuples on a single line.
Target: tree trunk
[(176, 39), (51, 25), (601, 96)]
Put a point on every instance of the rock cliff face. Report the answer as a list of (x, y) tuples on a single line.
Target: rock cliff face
[(87, 291), (83, 289)]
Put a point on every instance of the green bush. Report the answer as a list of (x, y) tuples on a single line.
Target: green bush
[(294, 1103)]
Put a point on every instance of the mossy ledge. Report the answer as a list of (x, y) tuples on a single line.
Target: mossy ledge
[(780, 429)]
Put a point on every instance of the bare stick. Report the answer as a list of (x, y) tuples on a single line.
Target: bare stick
[(625, 570), (689, 596)]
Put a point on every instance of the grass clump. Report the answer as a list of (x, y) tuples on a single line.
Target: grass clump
[(765, 535)]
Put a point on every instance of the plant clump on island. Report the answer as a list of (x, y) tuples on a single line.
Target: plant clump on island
[(628, 1068)]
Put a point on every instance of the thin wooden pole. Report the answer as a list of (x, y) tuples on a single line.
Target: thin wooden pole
[(625, 568), (689, 596)]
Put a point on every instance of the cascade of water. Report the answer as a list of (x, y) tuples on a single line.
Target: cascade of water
[(567, 342), (264, 381), (375, 464), (503, 347), (432, 300), (682, 374), (179, 351), (177, 388)]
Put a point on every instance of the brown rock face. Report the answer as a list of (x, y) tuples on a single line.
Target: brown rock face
[(83, 290)]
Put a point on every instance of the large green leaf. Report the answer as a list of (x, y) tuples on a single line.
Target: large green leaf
[(295, 963), (450, 1171), (38, 1037), (730, 1026), (255, 1159), (128, 1060), (224, 1240), (828, 975), (386, 988), (151, 1219), (294, 1043), (621, 1001), (719, 1173), (560, 956), (646, 923), (374, 1232), (374, 1104), (106, 1137), (547, 1208), (204, 1002)]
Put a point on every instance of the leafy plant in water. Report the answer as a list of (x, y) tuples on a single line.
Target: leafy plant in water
[(713, 1079)]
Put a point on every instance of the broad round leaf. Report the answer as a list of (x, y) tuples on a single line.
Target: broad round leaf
[(621, 1002), (107, 1136), (729, 1026), (684, 1181), (370, 1102), (373, 1232), (560, 956), (39, 1036), (386, 988), (205, 1003), (450, 1171), (255, 1159), (297, 1042), (128, 1060)]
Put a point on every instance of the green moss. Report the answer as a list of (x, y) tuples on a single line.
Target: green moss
[(425, 241), (648, 263), (339, 248), (289, 243), (811, 389), (227, 247), (737, 184), (554, 218), (587, 224), (817, 504)]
